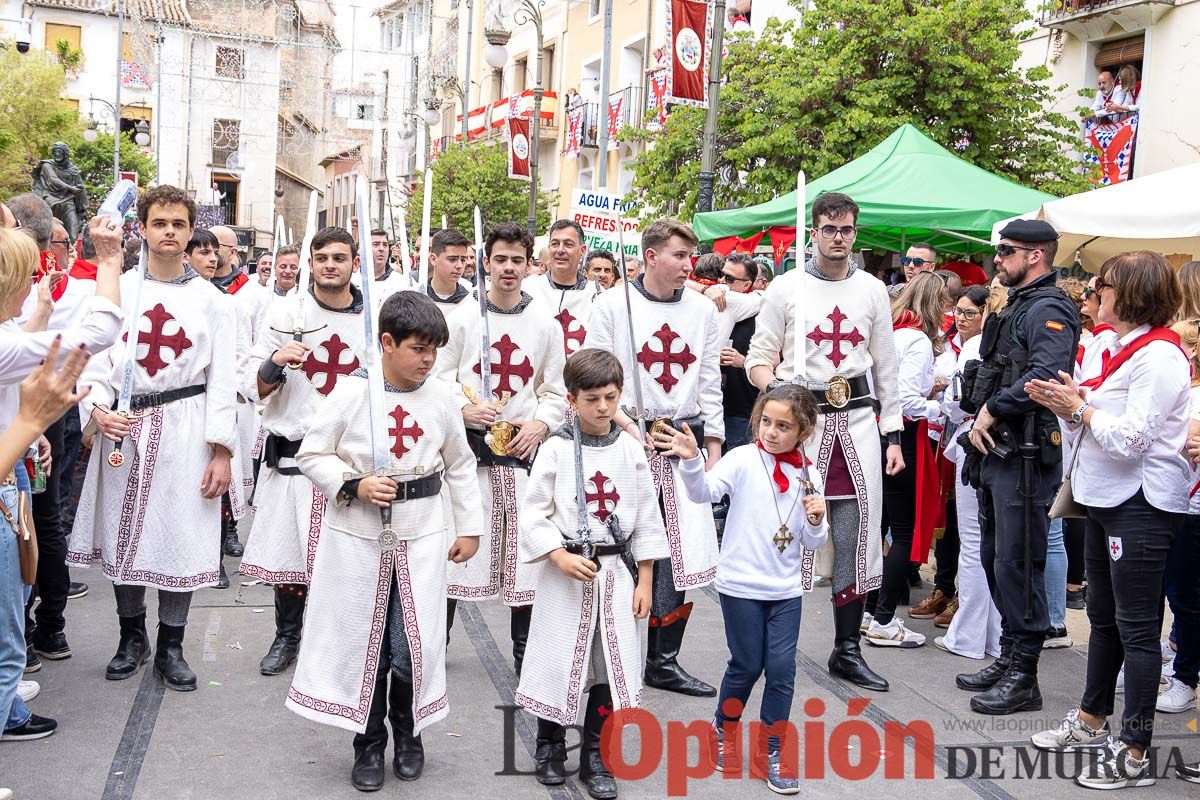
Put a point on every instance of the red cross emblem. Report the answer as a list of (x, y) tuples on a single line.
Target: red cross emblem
[(577, 335), (401, 432), (665, 357), (605, 496), (507, 368), (156, 339), (334, 364), (836, 337)]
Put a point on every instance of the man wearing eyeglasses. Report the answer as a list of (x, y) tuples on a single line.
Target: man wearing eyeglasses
[(1018, 457), (829, 327)]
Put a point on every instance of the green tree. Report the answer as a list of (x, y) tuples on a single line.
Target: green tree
[(95, 162), (817, 94), (464, 177), (33, 115)]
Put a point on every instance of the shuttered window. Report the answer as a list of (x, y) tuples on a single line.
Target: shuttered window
[(1122, 51)]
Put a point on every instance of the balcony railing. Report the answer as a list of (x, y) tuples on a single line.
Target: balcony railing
[(1072, 13), (629, 108)]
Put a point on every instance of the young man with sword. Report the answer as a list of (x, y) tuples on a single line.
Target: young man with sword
[(150, 510), (666, 339), (506, 363)]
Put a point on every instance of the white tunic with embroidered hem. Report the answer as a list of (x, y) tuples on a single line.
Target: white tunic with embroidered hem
[(678, 362), (146, 521), (569, 308), (527, 363), (352, 575), (287, 519), (570, 614)]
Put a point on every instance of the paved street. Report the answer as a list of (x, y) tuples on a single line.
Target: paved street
[(234, 738)]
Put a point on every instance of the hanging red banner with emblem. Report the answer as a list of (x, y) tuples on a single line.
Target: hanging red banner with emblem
[(688, 23), (574, 133), (614, 120), (782, 237), (518, 148), (659, 81), (749, 244)]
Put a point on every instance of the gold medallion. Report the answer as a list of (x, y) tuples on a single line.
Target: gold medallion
[(499, 436), (388, 540), (115, 458), (837, 394), (1056, 438), (659, 426)]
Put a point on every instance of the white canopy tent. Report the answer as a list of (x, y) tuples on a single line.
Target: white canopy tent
[(1159, 212)]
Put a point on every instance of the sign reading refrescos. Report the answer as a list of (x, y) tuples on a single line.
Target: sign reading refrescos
[(597, 212), (689, 23)]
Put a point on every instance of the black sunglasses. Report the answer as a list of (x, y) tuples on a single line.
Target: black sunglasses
[(1102, 284), (1005, 250), (914, 261), (731, 279)]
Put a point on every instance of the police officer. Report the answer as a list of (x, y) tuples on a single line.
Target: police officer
[(1018, 455)]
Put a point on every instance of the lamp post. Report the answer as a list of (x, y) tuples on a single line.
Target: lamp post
[(496, 56), (704, 196), (141, 135)]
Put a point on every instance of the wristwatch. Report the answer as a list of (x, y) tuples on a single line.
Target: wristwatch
[(1077, 414)]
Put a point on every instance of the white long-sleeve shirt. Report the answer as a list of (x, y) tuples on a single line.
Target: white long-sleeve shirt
[(1137, 431), (914, 375), (751, 565)]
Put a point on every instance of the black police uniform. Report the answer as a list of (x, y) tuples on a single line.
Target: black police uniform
[(1034, 337)]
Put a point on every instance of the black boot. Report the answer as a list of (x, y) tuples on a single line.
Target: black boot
[(518, 627), (592, 772), (663, 640), (846, 660), (169, 663), (369, 746), (132, 651), (1017, 690), (289, 621), (409, 757), (987, 677), (230, 545), (451, 608), (550, 758)]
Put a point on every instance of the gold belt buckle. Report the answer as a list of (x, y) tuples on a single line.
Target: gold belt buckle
[(837, 394), (499, 436)]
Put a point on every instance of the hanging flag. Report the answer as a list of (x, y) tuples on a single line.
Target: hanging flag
[(659, 85), (614, 120), (134, 75), (725, 245), (574, 133), (782, 237), (1113, 148), (518, 148), (748, 244), (689, 22)]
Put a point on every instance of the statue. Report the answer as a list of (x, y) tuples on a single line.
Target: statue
[(57, 181)]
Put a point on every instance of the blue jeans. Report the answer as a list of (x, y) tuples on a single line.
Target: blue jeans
[(1056, 575), (737, 432), (12, 619), (762, 636)]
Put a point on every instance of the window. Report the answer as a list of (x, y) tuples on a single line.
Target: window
[(73, 103), (56, 33), (548, 68), (594, 10), (226, 139), (231, 63), (520, 78), (364, 111)]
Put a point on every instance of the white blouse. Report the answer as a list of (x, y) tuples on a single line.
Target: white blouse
[(914, 373), (1137, 431)]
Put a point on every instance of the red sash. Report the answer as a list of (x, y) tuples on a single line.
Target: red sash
[(241, 280), (931, 506), (1117, 361), (48, 264)]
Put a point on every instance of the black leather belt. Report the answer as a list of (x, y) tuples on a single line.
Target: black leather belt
[(153, 399), (860, 396), (484, 457), (696, 424), (576, 547), (277, 448), (429, 486)]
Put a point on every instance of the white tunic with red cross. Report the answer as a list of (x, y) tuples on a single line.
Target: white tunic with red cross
[(288, 508), (145, 521), (527, 364), (677, 362), (570, 308)]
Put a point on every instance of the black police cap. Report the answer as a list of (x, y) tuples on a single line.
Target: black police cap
[(1032, 231)]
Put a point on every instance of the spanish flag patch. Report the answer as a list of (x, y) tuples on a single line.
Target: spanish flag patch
[(1054, 326)]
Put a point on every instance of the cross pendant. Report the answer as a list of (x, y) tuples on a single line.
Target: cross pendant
[(783, 538)]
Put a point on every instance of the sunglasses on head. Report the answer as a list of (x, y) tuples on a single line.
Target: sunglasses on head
[(1005, 250), (913, 261)]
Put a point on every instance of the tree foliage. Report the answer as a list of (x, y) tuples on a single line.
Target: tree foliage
[(95, 162), (33, 115), (464, 177), (817, 94)]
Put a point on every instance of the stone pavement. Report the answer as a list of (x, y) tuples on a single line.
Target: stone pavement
[(233, 738)]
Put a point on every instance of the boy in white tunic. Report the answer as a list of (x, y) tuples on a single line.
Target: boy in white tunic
[(287, 522), (447, 257), (154, 519), (374, 609), (584, 633), (675, 358), (526, 392)]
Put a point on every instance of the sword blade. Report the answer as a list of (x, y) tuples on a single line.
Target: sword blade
[(310, 230), (485, 342), (132, 331), (635, 377), (381, 455), (426, 208)]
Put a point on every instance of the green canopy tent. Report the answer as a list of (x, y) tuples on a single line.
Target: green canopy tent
[(909, 189)]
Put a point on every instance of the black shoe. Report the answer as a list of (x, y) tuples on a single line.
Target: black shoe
[(32, 662), (663, 640), (1077, 598), (592, 773), (53, 646), (222, 579), (1188, 772), (34, 728), (846, 661), (289, 621), (987, 677), (1016, 691), (369, 746), (132, 651), (914, 575), (451, 608), (518, 628), (77, 590), (550, 757), (230, 545), (408, 758), (169, 663)]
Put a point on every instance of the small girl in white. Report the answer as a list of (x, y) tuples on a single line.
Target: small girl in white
[(772, 520)]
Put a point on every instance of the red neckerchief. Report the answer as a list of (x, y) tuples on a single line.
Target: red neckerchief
[(241, 280), (1152, 335), (790, 457), (908, 320), (1105, 354), (957, 348), (48, 264), (1101, 328), (701, 281)]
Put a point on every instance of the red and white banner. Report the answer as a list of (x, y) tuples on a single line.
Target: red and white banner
[(659, 86), (689, 23), (518, 148), (574, 133), (614, 120), (521, 105), (477, 122)]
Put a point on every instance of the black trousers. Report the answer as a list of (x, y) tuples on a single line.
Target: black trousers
[(1126, 549), (1073, 535), (53, 578), (68, 471), (899, 516), (945, 552), (1183, 592), (1003, 526)]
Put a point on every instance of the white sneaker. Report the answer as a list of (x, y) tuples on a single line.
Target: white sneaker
[(27, 690), (1072, 734), (1118, 769), (1176, 698), (1166, 653), (1162, 680), (866, 622), (894, 634)]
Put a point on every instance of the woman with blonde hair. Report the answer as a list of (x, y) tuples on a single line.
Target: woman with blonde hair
[(1189, 282), (917, 320)]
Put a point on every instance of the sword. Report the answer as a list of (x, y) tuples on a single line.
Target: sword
[(583, 531), (298, 330), (638, 401), (485, 343), (132, 332), (806, 480), (406, 267), (426, 206), (799, 334)]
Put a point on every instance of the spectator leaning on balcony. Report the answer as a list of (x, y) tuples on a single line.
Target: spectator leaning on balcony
[(1108, 97), (1127, 98)]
